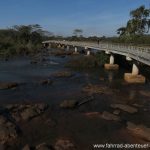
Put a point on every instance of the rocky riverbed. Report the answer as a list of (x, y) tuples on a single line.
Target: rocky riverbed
[(46, 106)]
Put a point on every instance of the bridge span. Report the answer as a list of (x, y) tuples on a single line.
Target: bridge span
[(138, 53)]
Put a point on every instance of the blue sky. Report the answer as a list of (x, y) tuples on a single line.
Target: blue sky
[(95, 17)]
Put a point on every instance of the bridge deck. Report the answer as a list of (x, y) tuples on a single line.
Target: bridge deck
[(141, 54)]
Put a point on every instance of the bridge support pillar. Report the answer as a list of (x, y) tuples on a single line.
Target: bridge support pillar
[(76, 50), (111, 65), (134, 77), (49, 45), (68, 47), (58, 46), (88, 52)]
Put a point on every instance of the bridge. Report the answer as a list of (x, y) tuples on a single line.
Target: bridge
[(140, 54)]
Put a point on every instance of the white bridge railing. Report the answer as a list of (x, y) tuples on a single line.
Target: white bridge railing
[(141, 54)]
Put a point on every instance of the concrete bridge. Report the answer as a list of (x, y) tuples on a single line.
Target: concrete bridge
[(140, 54)]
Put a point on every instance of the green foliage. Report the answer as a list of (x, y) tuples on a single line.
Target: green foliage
[(88, 62), (138, 24), (101, 58), (20, 40)]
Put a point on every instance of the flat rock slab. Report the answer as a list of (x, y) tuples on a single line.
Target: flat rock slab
[(125, 107), (68, 104), (116, 112), (105, 115), (62, 74), (139, 130), (109, 116), (92, 114)]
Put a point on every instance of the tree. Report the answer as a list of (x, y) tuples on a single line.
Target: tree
[(138, 24), (78, 32)]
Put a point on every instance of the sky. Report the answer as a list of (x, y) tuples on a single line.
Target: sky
[(94, 17)]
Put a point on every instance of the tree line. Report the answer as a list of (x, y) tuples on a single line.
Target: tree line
[(27, 39), (21, 40)]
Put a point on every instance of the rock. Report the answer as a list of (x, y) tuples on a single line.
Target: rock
[(26, 111), (92, 114), (63, 74), (116, 112), (29, 113), (137, 105), (96, 89), (8, 130), (63, 144), (124, 107), (46, 82), (68, 104), (5, 85), (44, 146), (139, 130), (2, 147), (26, 147), (145, 93), (108, 116), (41, 107)]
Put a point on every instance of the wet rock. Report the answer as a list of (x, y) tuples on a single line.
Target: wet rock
[(116, 112), (68, 104), (139, 130), (137, 105), (108, 116), (26, 111), (29, 113), (145, 93), (44, 146), (26, 147), (41, 107), (63, 144), (63, 74), (5, 85), (124, 107), (96, 89), (46, 82), (92, 114), (8, 130)]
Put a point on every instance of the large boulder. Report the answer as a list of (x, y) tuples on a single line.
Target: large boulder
[(125, 107)]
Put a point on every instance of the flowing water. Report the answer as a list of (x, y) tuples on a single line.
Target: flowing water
[(72, 123)]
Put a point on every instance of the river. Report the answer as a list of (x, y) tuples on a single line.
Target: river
[(74, 124)]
